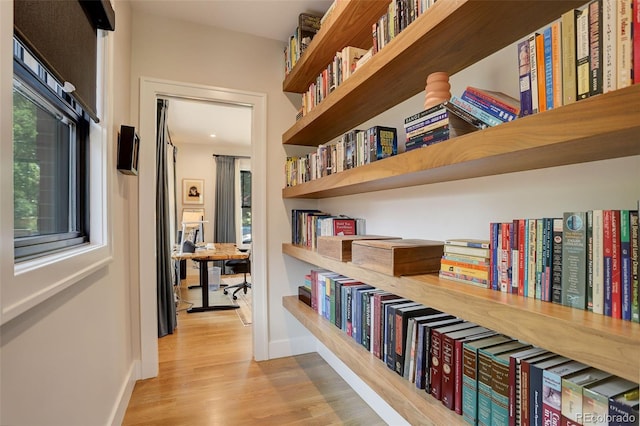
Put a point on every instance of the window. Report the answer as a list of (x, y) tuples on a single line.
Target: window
[(50, 132), (245, 205)]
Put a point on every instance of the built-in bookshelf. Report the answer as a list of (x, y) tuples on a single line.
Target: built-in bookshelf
[(603, 342), (449, 37), (568, 135)]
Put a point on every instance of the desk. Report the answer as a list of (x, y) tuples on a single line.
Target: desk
[(222, 251)]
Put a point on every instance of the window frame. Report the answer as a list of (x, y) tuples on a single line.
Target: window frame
[(27, 284), (34, 246)]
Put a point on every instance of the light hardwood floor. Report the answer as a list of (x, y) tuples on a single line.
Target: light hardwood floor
[(207, 377)]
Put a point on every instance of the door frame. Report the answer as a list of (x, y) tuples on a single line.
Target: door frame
[(150, 90)]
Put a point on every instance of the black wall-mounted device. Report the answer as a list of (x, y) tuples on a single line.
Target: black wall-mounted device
[(128, 149)]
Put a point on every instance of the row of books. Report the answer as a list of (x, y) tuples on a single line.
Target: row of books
[(487, 377), (400, 14), (308, 224), (344, 64), (586, 260), (355, 148), (586, 52), (488, 106), (438, 123), (308, 26)]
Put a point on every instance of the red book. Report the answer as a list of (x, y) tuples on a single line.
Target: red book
[(451, 366), (616, 293), (344, 226), (499, 99), (521, 255), (636, 40), (505, 258), (607, 250), (436, 355)]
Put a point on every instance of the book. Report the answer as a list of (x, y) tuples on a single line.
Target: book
[(635, 30), (381, 335), (534, 73), (498, 101), (469, 395), (485, 376), (569, 89), (556, 63), (400, 334), (624, 408), (383, 142), (456, 111), (515, 374), (548, 67), (541, 73), (436, 352), (390, 330), (524, 71), (634, 223), (378, 298), (466, 250), (595, 397), (625, 43), (572, 386), (525, 385), (413, 344), (595, 47), (450, 364), (478, 113), (501, 382), (616, 276), (487, 105), (625, 265), (598, 263), (477, 243), (582, 54), (574, 259), (552, 390), (536, 372), (556, 261), (609, 45), (423, 359)]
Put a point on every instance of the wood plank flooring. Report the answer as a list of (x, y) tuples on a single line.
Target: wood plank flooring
[(207, 377)]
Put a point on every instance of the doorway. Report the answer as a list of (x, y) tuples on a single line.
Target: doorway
[(150, 91)]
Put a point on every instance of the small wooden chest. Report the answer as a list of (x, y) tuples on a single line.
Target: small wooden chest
[(398, 257), (339, 246)]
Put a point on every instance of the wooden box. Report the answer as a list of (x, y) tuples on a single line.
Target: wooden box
[(339, 246), (398, 257)]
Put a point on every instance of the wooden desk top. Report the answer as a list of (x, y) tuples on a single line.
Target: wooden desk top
[(222, 251)]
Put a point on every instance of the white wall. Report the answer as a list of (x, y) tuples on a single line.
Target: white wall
[(185, 52), (69, 360)]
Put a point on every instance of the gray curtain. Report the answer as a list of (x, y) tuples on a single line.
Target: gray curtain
[(166, 303), (225, 223)]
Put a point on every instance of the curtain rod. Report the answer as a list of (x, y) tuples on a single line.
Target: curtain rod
[(235, 156)]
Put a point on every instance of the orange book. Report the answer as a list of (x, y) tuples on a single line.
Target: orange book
[(542, 87)]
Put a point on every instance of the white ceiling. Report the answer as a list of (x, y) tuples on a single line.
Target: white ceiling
[(193, 121)]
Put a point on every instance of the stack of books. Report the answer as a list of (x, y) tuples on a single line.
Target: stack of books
[(436, 124), (466, 261), (488, 106)]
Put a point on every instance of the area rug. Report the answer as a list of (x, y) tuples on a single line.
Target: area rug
[(244, 300), (193, 297)]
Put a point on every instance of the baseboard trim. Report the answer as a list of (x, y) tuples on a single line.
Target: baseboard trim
[(124, 396), (292, 347), (379, 405)]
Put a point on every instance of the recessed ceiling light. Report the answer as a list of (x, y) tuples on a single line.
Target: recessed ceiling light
[(213, 135)]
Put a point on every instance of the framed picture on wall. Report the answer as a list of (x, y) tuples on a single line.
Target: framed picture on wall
[(192, 191)]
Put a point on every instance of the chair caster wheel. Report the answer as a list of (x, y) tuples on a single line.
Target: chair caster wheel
[(235, 297), (225, 292)]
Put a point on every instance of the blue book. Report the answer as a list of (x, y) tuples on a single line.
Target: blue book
[(478, 113), (488, 107), (524, 67), (548, 67)]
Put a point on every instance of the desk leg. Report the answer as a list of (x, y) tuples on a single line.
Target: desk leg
[(204, 284)]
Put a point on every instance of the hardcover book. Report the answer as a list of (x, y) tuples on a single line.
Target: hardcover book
[(574, 259), (400, 335), (515, 374), (524, 70), (582, 54), (595, 397), (423, 336), (552, 390), (595, 47), (450, 363), (469, 407), (572, 386), (525, 385), (569, 89), (536, 372), (485, 377), (412, 344)]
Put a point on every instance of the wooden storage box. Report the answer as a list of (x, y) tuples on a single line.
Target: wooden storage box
[(339, 246), (398, 257)]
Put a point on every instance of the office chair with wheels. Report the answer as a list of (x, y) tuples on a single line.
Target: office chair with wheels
[(239, 266)]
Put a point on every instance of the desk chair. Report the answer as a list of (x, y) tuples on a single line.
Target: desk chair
[(239, 266)]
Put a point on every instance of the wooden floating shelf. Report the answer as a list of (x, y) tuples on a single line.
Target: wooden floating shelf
[(438, 40), (603, 342), (415, 405), (603, 127)]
